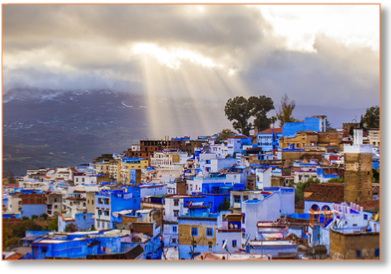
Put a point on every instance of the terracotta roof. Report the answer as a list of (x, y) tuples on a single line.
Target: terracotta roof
[(272, 130), (326, 192), (15, 256), (12, 185), (368, 204), (238, 137)]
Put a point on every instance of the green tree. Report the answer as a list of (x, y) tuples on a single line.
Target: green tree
[(284, 114), (238, 109), (224, 134), (301, 186), (53, 225), (336, 180), (225, 205), (10, 177), (328, 127), (70, 228), (371, 118), (34, 216), (20, 229), (45, 216), (375, 175), (260, 106)]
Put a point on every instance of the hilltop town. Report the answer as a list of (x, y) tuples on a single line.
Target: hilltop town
[(301, 191)]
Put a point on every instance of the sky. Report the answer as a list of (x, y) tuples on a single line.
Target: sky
[(320, 55)]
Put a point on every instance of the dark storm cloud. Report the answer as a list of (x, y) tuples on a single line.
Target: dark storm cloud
[(334, 76), (80, 46)]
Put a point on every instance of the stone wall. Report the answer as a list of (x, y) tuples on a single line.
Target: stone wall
[(358, 177), (146, 228), (353, 245), (181, 188)]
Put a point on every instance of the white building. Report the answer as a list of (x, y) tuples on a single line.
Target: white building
[(151, 190), (274, 203)]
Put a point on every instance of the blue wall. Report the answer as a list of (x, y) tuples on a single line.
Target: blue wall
[(290, 129), (76, 249), (29, 210), (82, 221), (375, 164)]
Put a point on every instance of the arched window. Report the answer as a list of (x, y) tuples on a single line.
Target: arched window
[(325, 208), (315, 207)]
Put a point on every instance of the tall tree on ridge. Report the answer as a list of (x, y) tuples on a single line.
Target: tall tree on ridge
[(284, 114), (241, 109)]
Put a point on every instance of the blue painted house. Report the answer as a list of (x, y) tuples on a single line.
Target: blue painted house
[(268, 139), (213, 194), (197, 232), (315, 123), (76, 245), (109, 201), (81, 220)]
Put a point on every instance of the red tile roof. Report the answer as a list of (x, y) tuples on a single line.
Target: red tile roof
[(326, 192), (272, 130), (238, 137), (368, 204), (15, 256), (12, 185)]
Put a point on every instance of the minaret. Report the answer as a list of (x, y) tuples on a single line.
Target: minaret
[(358, 170)]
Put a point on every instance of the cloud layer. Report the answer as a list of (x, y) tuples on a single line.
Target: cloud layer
[(199, 51)]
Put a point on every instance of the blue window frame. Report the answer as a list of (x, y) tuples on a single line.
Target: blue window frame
[(209, 232), (194, 231), (358, 253), (234, 243), (174, 229)]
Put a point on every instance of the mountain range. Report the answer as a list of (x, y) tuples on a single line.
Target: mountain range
[(49, 127)]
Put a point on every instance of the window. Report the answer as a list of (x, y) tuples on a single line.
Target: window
[(209, 232), (55, 200), (174, 229), (82, 179), (106, 213), (173, 240), (176, 202), (243, 219), (77, 180), (237, 199), (55, 207), (194, 231), (176, 213), (85, 217), (210, 245), (100, 201), (358, 253), (365, 217), (44, 249), (99, 212), (92, 201), (106, 201), (234, 243)]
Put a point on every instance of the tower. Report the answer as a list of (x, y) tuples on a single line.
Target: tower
[(358, 170)]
